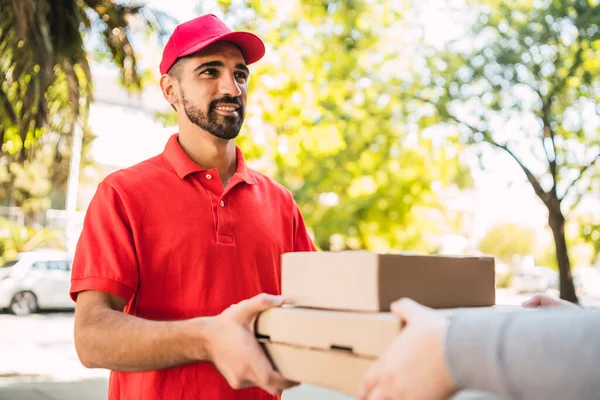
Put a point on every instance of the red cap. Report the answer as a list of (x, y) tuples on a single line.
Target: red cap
[(194, 35)]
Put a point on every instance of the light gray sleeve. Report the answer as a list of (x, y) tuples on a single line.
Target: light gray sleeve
[(529, 354)]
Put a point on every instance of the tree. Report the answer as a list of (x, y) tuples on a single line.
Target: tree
[(508, 240), (46, 84), (321, 123), (15, 239), (526, 81)]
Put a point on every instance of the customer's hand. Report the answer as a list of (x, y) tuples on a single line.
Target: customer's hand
[(414, 366), (545, 301), (232, 347)]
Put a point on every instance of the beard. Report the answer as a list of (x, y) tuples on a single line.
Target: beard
[(222, 126)]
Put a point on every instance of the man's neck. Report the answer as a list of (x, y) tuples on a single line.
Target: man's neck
[(209, 151)]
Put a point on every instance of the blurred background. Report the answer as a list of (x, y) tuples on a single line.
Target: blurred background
[(462, 127)]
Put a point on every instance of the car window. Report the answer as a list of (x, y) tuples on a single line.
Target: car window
[(59, 265), (40, 265)]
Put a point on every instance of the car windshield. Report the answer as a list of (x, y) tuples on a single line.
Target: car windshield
[(9, 264)]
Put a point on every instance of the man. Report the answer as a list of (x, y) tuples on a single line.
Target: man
[(552, 353), (176, 251)]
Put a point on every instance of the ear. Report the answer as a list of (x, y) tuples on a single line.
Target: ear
[(170, 89)]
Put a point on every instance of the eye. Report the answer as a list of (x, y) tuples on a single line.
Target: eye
[(241, 77), (210, 72)]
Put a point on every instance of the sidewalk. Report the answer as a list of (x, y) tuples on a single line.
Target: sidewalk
[(88, 389), (96, 389)]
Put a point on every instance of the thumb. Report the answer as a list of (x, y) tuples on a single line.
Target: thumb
[(407, 309), (250, 308), (535, 301)]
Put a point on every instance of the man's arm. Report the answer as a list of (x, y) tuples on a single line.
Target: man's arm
[(527, 355), (105, 337)]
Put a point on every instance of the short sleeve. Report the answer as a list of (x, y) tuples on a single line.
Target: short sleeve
[(302, 240), (105, 258)]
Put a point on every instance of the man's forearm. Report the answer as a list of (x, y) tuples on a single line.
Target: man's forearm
[(539, 354), (113, 340)]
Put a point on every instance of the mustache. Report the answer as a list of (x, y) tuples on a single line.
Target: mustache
[(226, 99)]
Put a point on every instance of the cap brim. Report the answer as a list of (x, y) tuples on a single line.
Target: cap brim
[(252, 47)]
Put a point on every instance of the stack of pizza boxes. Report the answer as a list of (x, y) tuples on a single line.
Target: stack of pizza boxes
[(338, 322)]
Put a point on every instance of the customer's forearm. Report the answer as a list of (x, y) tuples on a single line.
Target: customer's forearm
[(539, 354), (113, 340)]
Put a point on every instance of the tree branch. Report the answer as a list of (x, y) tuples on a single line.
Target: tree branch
[(533, 180), (487, 137), (536, 90), (581, 172), (549, 132)]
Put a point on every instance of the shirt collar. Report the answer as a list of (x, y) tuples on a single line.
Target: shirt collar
[(183, 164), (243, 171)]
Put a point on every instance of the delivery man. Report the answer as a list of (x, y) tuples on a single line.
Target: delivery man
[(177, 252)]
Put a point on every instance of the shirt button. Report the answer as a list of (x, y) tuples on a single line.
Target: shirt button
[(208, 176), (222, 203)]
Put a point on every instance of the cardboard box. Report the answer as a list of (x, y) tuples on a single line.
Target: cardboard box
[(367, 281), (325, 348), (332, 349)]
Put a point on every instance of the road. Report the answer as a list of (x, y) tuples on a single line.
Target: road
[(38, 360)]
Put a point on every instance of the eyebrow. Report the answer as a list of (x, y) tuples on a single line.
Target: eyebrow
[(241, 66)]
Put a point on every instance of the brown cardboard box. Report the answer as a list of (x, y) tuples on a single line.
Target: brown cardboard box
[(330, 349), (367, 281)]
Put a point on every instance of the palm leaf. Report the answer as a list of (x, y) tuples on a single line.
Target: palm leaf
[(42, 45)]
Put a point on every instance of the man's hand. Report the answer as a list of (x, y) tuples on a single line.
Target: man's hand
[(234, 350), (543, 301), (414, 366)]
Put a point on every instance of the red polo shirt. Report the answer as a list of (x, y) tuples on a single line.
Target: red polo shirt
[(165, 236)]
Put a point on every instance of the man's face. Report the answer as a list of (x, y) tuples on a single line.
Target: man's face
[(214, 88)]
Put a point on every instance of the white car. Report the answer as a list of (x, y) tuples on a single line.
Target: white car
[(36, 280), (538, 279)]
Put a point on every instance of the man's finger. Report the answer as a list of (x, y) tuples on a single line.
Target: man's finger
[(265, 374), (271, 380), (277, 383), (252, 307)]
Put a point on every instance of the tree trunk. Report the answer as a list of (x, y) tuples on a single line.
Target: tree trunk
[(557, 224)]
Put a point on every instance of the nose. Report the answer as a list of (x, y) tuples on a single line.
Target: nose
[(229, 86)]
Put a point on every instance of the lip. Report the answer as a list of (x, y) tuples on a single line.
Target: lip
[(228, 105), (227, 109)]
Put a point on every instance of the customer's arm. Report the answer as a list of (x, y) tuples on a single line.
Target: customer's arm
[(526, 354), (545, 354), (105, 337)]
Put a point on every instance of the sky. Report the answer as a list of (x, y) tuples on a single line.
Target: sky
[(127, 135)]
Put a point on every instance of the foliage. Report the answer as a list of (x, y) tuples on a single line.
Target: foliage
[(15, 238), (46, 86), (505, 281), (590, 233), (508, 240), (322, 123), (525, 81)]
